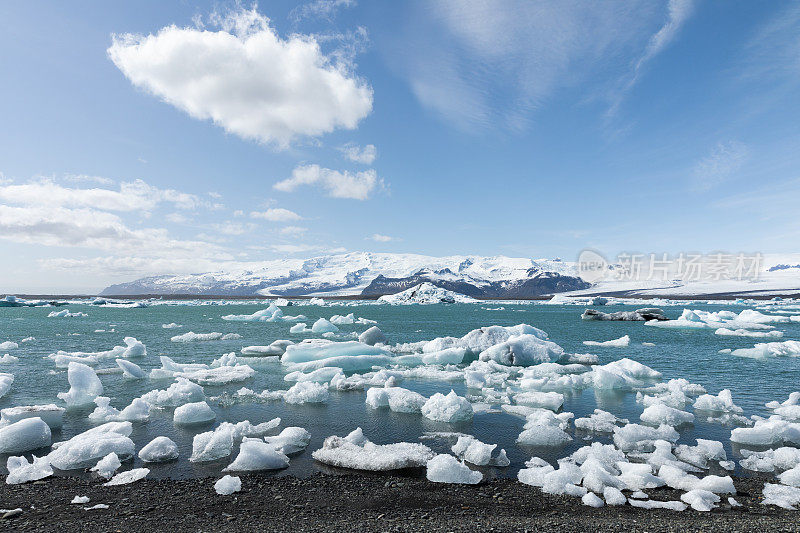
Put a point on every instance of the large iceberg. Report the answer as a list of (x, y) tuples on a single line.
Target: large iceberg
[(356, 452)]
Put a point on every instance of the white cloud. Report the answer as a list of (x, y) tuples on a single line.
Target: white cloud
[(177, 218), (131, 196), (293, 231), (93, 229), (377, 237), (238, 213), (723, 161), (304, 248), (276, 214), (246, 78), (358, 154), (344, 184), (84, 178), (325, 9), (232, 228)]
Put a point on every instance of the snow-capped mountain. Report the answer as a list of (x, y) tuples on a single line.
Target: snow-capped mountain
[(372, 274)]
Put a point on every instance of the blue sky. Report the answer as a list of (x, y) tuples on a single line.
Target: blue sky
[(297, 129)]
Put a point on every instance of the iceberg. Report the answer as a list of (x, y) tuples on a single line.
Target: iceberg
[(51, 414), (445, 468), (356, 452), (425, 293), (255, 454), (193, 413), (85, 386), (290, 441), (159, 450), (127, 477), (88, 447), (622, 342), (447, 408), (21, 471), (23, 436)]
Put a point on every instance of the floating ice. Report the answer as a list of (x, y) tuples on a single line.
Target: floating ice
[(323, 326), (397, 399), (159, 450), (642, 438), (767, 433), (21, 471), (725, 332), (306, 392), (356, 452), (227, 485), (23, 436), (448, 356), (770, 349), (65, 313), (321, 375), (277, 348), (546, 400), (445, 468), (255, 454), (191, 336), (129, 476), (598, 422), (107, 466), (8, 345), (523, 350), (543, 428), (658, 414), (270, 314), (639, 315), (50, 413), (450, 408), (85, 386), (193, 413), (722, 403), (181, 392), (372, 336), (470, 449), (425, 293), (86, 448), (132, 348), (131, 370), (171, 325), (8, 359), (615, 343), (290, 440), (137, 411)]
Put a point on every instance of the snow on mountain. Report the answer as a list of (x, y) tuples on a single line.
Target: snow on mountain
[(352, 273), (425, 293)]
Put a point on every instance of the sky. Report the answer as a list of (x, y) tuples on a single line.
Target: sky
[(152, 137)]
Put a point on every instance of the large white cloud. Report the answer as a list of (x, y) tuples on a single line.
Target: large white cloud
[(246, 78), (131, 196), (344, 184)]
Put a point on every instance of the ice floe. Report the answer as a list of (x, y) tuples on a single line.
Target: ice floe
[(356, 452)]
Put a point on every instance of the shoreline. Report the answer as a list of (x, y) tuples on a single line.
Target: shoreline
[(361, 502)]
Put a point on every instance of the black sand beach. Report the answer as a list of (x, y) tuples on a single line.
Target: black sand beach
[(359, 503)]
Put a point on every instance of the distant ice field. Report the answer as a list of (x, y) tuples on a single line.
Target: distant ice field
[(677, 352)]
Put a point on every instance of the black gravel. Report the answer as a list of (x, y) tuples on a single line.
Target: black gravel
[(359, 503)]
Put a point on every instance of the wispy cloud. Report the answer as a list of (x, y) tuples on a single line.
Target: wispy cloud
[(276, 214), (319, 9), (377, 237), (365, 155), (719, 165)]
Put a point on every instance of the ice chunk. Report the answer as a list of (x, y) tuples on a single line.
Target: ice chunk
[(21, 471), (65, 313), (137, 411), (256, 454), (767, 433), (107, 466), (424, 294), (656, 504), (171, 325), (598, 422), (323, 326), (270, 314), (445, 468), (80, 499), (191, 336), (86, 448), (131, 370), (622, 342), (450, 408), (781, 495), (448, 356), (321, 375), (193, 413), (722, 403), (181, 392), (5, 383), (397, 399), (639, 315), (523, 350), (592, 500), (306, 392), (659, 414), (129, 476), (50, 413), (159, 450), (637, 437), (8, 358), (372, 336), (356, 452), (8, 345), (701, 500), (290, 440), (614, 496), (23, 436), (478, 453), (770, 349), (546, 400), (790, 477), (227, 485), (85, 386)]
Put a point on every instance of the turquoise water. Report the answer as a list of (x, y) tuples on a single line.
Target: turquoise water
[(690, 354)]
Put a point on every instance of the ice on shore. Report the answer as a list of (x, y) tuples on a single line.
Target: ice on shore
[(85, 386), (622, 342), (22, 471), (107, 466), (445, 468), (356, 452), (447, 408), (50, 413), (193, 413), (255, 454), (227, 485), (79, 500), (769, 432), (159, 450), (781, 496), (127, 477), (216, 444)]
